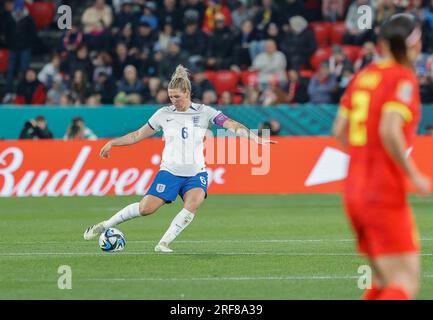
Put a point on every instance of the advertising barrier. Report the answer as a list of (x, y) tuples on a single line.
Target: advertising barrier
[(235, 166)]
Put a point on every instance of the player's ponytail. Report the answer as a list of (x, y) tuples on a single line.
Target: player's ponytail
[(401, 31), (180, 79)]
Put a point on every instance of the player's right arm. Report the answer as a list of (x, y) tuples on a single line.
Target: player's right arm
[(128, 139)]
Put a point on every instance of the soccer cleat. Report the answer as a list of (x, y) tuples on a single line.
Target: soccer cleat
[(162, 247), (93, 231)]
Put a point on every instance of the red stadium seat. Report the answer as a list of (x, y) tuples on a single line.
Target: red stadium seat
[(4, 58), (42, 13), (226, 80), (249, 78), (210, 75), (338, 29), (322, 30), (352, 52), (319, 56)]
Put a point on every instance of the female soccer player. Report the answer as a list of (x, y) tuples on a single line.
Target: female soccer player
[(182, 168), (377, 120)]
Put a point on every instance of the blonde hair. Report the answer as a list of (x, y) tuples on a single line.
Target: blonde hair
[(180, 79)]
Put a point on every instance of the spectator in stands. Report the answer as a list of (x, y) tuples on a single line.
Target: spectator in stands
[(293, 8), (429, 130), (200, 83), (226, 99), (299, 43), (146, 38), (384, 10), (272, 125), (273, 32), (333, 10), (30, 90), (102, 63), (80, 61), (240, 14), (96, 21), (343, 82), (169, 13), (125, 16), (322, 85), (215, 9), (71, 41), (271, 65), (194, 42), (356, 33), (20, 36), (126, 36), (173, 58), (267, 14), (220, 46), (162, 97), (121, 59), (104, 88), (57, 90), (209, 97), (80, 87), (338, 61), (36, 129), (272, 95), (297, 89), (131, 86), (252, 96), (194, 9), (368, 55), (166, 35), (49, 71), (149, 15), (78, 130), (242, 55)]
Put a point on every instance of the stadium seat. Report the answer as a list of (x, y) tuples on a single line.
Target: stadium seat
[(352, 52), (337, 31), (210, 75), (322, 31), (42, 13), (319, 56), (4, 58), (226, 80), (249, 78)]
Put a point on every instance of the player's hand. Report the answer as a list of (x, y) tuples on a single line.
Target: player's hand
[(265, 141), (105, 150), (422, 184)]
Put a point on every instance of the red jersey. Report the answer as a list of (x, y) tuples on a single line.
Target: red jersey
[(373, 177)]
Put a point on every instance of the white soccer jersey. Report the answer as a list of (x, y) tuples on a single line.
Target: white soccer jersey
[(183, 133)]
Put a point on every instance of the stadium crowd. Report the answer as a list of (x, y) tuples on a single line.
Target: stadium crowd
[(256, 52)]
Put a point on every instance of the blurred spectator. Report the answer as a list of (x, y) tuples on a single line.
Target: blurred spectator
[(58, 89), (194, 42), (267, 14), (272, 125), (149, 15), (333, 10), (125, 16), (251, 96), (272, 95), (71, 40), (80, 87), (273, 32), (299, 43), (30, 90), (162, 97), (293, 8), (121, 60), (241, 13), (338, 62), (36, 129), (96, 21), (297, 90), (368, 55), (49, 71), (226, 99), (20, 36), (165, 37), (173, 58), (429, 130), (384, 10), (343, 82), (131, 87), (356, 34), (200, 83), (242, 56), (169, 13), (215, 9), (209, 97), (220, 46), (103, 63), (78, 130), (271, 65), (321, 85), (104, 88), (146, 38), (126, 36), (79, 61), (194, 10)]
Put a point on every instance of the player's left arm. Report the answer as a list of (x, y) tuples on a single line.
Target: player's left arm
[(242, 131), (341, 126)]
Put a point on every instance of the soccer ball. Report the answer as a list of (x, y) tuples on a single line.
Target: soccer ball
[(112, 240)]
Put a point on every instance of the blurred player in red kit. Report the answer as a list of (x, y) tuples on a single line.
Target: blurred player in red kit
[(377, 121)]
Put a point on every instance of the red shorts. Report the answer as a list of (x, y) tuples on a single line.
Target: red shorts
[(383, 230)]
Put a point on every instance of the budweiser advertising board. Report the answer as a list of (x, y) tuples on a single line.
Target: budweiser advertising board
[(235, 166)]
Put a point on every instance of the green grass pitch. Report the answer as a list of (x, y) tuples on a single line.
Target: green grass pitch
[(238, 247)]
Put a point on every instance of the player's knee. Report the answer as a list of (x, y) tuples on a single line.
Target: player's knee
[(193, 204), (146, 208)]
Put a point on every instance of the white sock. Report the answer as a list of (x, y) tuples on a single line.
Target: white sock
[(129, 212), (180, 222)]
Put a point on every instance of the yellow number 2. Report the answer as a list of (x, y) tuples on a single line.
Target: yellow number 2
[(358, 118)]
